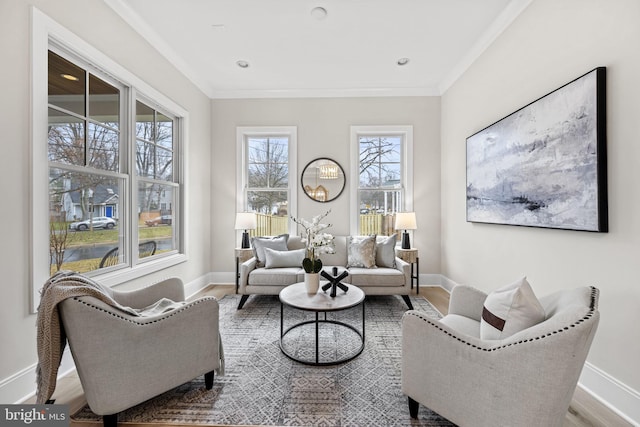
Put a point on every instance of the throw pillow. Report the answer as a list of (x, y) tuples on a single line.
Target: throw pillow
[(386, 252), (361, 251), (280, 259), (278, 243), (510, 309)]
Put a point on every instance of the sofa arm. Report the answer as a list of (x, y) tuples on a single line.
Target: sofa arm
[(245, 268), (405, 268), (172, 289), (467, 301)]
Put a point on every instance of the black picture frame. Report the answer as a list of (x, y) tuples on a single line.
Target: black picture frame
[(544, 165)]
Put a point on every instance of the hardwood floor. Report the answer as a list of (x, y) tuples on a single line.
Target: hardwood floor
[(584, 411)]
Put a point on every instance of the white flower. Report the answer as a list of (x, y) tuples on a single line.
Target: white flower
[(317, 242)]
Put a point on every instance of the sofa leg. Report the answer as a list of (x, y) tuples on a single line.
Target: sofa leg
[(208, 380), (110, 420), (243, 299), (407, 300), (413, 408)]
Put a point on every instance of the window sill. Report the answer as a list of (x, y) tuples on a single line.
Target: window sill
[(123, 275)]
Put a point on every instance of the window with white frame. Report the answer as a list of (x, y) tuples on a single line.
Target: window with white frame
[(381, 161), (266, 181), (92, 221), (84, 170)]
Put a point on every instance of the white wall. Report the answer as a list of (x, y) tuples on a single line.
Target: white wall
[(324, 131), (103, 29), (549, 44)]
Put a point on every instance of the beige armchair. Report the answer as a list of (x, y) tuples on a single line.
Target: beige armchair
[(123, 360), (526, 379)]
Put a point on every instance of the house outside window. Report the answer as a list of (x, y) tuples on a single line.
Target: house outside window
[(384, 186), (267, 177)]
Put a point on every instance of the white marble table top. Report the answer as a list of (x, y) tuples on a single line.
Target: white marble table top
[(296, 296)]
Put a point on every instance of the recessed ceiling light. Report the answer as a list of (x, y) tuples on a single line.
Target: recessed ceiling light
[(218, 26), (242, 64), (319, 13), (69, 77), (403, 61)]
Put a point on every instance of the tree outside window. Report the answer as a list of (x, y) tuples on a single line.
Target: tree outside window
[(380, 185), (267, 178)]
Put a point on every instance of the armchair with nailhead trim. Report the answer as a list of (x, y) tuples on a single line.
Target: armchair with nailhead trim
[(123, 360), (525, 379)]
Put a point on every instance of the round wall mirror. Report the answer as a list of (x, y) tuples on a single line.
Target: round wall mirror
[(323, 180)]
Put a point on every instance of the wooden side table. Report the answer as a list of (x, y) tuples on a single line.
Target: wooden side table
[(411, 256), (242, 255)]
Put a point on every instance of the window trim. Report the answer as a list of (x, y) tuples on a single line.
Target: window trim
[(406, 132), (241, 176), (45, 32)]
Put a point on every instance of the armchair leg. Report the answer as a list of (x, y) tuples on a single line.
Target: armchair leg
[(243, 299), (413, 408), (407, 301), (110, 420), (208, 380)]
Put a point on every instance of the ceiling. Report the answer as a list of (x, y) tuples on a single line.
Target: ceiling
[(294, 50)]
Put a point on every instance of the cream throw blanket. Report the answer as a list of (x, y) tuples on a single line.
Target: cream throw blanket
[(51, 338)]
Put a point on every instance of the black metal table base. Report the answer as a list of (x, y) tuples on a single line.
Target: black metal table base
[(317, 323)]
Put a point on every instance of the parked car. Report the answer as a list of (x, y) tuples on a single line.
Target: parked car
[(164, 219), (98, 222)]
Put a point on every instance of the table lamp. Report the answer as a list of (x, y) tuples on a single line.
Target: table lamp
[(246, 221), (406, 221)]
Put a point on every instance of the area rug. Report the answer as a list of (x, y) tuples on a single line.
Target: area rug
[(262, 386)]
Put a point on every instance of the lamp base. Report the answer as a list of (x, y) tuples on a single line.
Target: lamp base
[(245, 240), (405, 240)]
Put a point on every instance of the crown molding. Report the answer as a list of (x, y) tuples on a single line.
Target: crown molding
[(150, 35), (497, 27)]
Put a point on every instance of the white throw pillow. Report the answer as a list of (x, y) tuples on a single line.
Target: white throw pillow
[(282, 259), (278, 243), (510, 309), (386, 252)]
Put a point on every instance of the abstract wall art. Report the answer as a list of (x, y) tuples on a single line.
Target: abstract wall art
[(544, 165)]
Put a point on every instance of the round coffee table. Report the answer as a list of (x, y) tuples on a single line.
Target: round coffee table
[(296, 296)]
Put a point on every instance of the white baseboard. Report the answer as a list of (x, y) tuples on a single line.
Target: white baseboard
[(21, 386), (620, 398)]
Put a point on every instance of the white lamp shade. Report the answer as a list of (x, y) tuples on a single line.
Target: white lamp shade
[(406, 221), (246, 221)]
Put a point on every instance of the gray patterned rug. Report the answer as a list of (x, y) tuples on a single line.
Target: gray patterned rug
[(261, 386)]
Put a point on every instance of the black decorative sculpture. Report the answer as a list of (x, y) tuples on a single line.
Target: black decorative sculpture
[(334, 281)]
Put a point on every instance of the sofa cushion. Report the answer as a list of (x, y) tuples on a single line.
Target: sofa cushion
[(361, 251), (386, 251), (277, 259), (510, 309), (462, 324), (378, 277), (278, 243), (279, 277)]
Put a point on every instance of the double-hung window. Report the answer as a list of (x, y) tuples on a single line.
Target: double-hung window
[(107, 172), (267, 169), (383, 177)]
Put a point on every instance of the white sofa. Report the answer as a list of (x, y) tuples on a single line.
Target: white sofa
[(373, 281)]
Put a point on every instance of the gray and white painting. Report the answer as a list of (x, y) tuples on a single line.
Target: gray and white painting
[(538, 166)]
